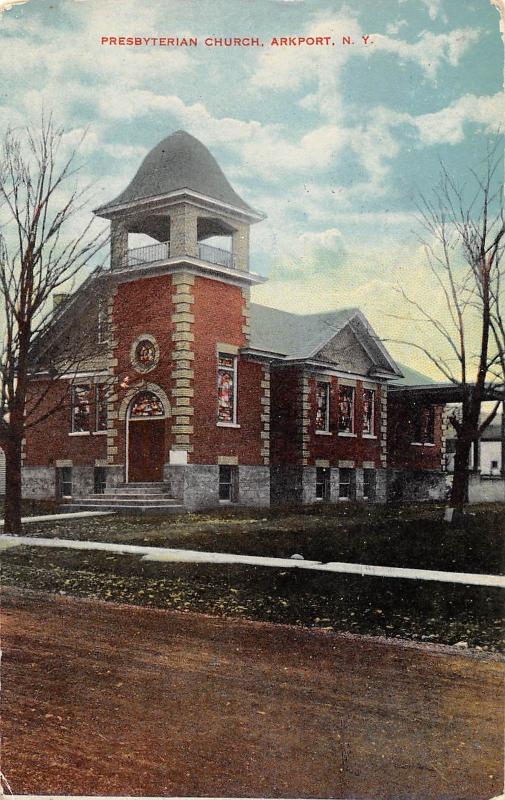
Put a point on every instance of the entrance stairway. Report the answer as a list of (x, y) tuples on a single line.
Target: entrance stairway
[(131, 498)]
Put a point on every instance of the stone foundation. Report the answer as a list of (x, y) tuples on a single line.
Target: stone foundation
[(298, 485), (197, 485), (416, 486), (38, 483)]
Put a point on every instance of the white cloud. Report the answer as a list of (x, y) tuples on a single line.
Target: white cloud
[(447, 125), (434, 9), (394, 27), (431, 50)]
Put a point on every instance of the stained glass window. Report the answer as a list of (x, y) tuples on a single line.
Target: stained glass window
[(145, 353), (101, 407), (80, 408), (368, 412), (346, 409), (146, 404), (226, 388), (322, 407)]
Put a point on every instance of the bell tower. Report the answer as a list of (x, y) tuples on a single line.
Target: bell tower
[(181, 199), (182, 295)]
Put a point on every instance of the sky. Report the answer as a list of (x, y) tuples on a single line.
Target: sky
[(335, 144)]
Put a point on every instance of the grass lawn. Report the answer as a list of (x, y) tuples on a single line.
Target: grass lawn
[(413, 536)]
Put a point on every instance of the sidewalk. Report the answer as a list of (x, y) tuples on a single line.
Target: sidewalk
[(172, 555)]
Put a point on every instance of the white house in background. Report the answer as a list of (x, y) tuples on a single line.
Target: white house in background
[(491, 448), (487, 459)]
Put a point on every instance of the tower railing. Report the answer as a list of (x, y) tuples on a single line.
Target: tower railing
[(160, 251), (148, 254), (216, 255)]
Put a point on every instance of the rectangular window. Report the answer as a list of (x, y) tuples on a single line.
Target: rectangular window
[(100, 407), (369, 477), (80, 409), (346, 484), (368, 412), (102, 322), (226, 389), (323, 407), (228, 483), (423, 425), (100, 481), (346, 409), (64, 482), (323, 483)]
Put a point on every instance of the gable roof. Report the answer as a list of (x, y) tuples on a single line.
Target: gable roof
[(294, 335), (303, 336), (412, 377)]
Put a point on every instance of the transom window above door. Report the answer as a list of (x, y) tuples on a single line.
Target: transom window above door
[(146, 404)]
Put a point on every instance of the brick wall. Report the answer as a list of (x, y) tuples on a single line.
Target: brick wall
[(334, 447), (220, 318), (401, 452), (140, 307), (50, 440), (286, 416)]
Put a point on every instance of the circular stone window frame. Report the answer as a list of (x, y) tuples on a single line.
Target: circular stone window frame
[(142, 368)]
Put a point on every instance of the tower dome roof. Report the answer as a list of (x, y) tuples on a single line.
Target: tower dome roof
[(178, 162)]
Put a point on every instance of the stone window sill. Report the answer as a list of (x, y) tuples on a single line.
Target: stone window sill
[(369, 436), (79, 433), (228, 425), (323, 433), (100, 433), (344, 433), (422, 444)]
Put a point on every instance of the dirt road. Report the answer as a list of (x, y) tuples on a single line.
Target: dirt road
[(107, 699)]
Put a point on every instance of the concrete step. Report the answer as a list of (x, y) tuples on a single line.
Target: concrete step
[(135, 495), (144, 488), (159, 508), (148, 500)]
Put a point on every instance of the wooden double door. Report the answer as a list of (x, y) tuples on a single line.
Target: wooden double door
[(146, 449)]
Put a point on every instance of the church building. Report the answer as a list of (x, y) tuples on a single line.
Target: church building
[(192, 395)]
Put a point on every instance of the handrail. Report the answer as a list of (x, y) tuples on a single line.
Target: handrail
[(161, 251)]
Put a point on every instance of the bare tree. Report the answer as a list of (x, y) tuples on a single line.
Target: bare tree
[(464, 249), (39, 255)]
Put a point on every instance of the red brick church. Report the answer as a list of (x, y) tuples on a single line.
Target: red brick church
[(195, 396)]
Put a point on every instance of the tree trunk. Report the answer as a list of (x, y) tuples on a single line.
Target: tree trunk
[(459, 490), (12, 517)]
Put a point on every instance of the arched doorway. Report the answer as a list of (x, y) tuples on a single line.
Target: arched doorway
[(146, 438)]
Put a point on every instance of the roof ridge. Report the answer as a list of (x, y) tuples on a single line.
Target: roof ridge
[(312, 314)]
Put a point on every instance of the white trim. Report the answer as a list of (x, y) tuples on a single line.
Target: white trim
[(188, 264), (75, 375), (223, 423), (371, 435), (157, 200), (313, 366), (327, 387)]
